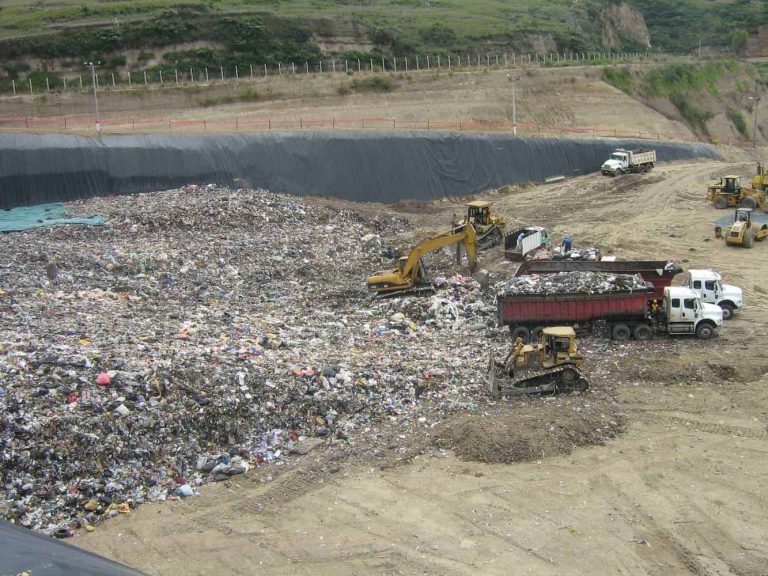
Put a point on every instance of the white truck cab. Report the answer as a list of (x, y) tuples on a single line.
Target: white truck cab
[(708, 284), (618, 163), (687, 313)]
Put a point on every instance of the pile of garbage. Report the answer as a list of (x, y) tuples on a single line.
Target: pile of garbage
[(202, 331), (581, 254), (571, 282)]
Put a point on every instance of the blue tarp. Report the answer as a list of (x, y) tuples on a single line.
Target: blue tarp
[(28, 217)]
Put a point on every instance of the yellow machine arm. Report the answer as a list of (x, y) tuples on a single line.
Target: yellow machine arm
[(406, 275)]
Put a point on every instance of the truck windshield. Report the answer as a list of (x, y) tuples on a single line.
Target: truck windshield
[(619, 157)]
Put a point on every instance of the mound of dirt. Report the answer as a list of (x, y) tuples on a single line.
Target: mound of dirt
[(532, 429)]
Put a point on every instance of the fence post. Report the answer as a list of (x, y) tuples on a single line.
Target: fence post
[(427, 62), (306, 64), (293, 68), (394, 59), (65, 122), (161, 76), (333, 66), (406, 62), (321, 66), (237, 75), (270, 123), (47, 85), (221, 69), (383, 65), (30, 86), (206, 74), (145, 77), (176, 72), (191, 75), (251, 65), (438, 61), (301, 124), (13, 82), (129, 81), (279, 69), (113, 82), (417, 63), (371, 64)]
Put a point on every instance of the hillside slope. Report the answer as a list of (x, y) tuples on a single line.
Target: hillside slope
[(61, 34)]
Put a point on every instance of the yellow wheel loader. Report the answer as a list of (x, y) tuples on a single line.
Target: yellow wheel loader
[(488, 226), (743, 231), (729, 193), (410, 275), (553, 364)]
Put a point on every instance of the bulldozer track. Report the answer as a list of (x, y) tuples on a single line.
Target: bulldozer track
[(544, 375)]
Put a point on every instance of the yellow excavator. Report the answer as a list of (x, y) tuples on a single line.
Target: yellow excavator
[(410, 276), (553, 364), (488, 225), (760, 181)]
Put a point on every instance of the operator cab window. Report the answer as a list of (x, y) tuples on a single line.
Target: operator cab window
[(689, 303), (710, 285), (675, 303), (697, 284)]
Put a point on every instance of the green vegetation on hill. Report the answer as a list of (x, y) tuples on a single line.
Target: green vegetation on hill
[(697, 91)]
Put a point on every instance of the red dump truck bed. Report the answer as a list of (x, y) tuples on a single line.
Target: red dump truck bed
[(657, 272), (539, 309)]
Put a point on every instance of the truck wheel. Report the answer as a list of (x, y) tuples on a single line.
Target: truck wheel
[(705, 331), (643, 332), (748, 202), (749, 239), (536, 333), (620, 332), (727, 310), (521, 332), (720, 202)]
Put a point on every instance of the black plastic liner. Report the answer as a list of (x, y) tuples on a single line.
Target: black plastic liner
[(22, 550), (361, 166)]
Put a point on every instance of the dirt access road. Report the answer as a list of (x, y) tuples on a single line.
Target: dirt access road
[(682, 491)]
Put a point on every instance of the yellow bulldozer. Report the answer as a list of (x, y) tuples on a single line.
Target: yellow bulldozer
[(729, 193), (553, 364), (744, 231), (410, 275), (488, 226)]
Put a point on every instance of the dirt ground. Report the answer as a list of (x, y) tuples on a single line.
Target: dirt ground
[(657, 470), (557, 98)]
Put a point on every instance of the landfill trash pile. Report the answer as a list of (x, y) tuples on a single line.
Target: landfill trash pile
[(588, 254), (569, 283), (203, 331)]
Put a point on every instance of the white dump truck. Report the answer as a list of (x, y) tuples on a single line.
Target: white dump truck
[(708, 284), (624, 161)]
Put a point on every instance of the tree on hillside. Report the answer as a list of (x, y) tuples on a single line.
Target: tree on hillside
[(739, 40)]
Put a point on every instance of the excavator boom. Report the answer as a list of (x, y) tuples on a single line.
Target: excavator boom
[(410, 270)]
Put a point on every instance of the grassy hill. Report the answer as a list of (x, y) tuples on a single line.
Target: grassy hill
[(269, 31)]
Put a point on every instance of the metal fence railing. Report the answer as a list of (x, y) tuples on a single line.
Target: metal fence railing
[(40, 83)]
